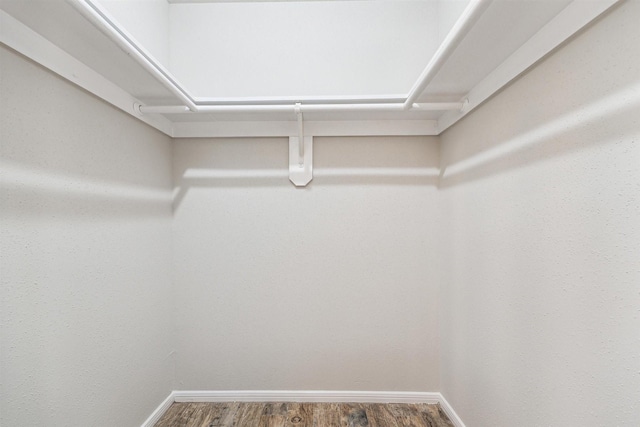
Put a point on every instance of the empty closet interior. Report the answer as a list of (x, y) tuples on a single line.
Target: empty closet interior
[(431, 201)]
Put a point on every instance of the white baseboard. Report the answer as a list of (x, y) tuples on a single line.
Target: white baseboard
[(159, 412), (303, 396), (306, 396), (446, 407)]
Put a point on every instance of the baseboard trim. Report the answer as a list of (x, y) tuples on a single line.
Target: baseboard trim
[(159, 412), (303, 396), (448, 409)]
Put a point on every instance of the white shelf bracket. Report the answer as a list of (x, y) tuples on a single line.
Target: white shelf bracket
[(300, 154), (300, 134)]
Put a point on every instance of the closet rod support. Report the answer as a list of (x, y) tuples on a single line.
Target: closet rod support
[(300, 174), (300, 135)]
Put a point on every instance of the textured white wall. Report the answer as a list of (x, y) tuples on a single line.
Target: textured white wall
[(532, 239), (333, 286), (86, 311), (541, 228)]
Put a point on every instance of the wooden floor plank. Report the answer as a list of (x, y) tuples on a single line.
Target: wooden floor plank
[(353, 415), (432, 415), (299, 415), (249, 415), (274, 414), (170, 415), (203, 414), (226, 416), (326, 414), (407, 415), (177, 415), (371, 416), (275, 408), (208, 415), (272, 421), (382, 415), (291, 414)]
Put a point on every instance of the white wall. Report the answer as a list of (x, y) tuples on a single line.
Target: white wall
[(329, 287), (86, 311), (322, 48), (528, 249), (541, 228)]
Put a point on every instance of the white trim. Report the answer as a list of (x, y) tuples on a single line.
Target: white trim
[(27, 42), (306, 396), (448, 409), (159, 411), (234, 129), (570, 20)]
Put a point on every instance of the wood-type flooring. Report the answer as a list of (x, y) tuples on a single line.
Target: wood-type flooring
[(289, 414)]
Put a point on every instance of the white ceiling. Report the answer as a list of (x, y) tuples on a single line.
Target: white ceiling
[(301, 49)]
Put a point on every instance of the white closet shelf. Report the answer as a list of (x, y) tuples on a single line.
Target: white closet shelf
[(490, 44)]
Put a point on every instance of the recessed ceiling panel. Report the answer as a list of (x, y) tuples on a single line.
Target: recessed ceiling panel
[(311, 48)]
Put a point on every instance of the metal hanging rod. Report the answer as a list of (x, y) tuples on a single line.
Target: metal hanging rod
[(286, 100), (294, 108)]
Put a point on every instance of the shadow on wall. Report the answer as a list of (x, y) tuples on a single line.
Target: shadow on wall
[(31, 193), (510, 143), (263, 162), (74, 156)]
